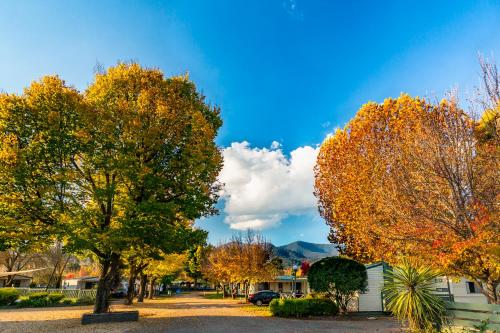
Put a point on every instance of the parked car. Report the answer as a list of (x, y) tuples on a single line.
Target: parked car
[(118, 293), (263, 297)]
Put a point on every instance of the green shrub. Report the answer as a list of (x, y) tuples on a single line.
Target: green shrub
[(85, 300), (69, 301), (23, 302), (8, 296), (340, 278), (302, 307), (55, 297), (38, 295), (33, 303)]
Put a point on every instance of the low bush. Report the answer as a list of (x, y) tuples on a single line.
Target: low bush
[(69, 301), (33, 303), (302, 307), (40, 299), (85, 300), (55, 297), (38, 295), (8, 296)]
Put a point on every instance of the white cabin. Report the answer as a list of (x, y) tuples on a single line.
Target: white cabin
[(85, 282)]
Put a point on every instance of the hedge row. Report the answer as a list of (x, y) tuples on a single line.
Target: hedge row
[(10, 296), (303, 307)]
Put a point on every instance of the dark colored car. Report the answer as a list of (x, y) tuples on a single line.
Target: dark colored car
[(263, 297), (118, 293)]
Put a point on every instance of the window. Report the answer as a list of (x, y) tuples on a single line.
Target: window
[(472, 287), (280, 286), (438, 280), (298, 286)]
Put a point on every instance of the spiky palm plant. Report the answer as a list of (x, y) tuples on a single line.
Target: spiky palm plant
[(409, 293)]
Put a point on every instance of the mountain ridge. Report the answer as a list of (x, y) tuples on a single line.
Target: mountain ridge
[(299, 251)]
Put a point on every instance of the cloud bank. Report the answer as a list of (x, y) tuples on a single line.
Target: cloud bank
[(262, 186)]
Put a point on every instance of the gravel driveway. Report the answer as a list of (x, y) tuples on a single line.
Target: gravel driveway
[(188, 313)]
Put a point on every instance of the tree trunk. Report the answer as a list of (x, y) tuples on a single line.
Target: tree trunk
[(246, 286), (60, 273), (142, 288), (132, 276), (10, 281), (151, 288), (109, 269), (490, 290)]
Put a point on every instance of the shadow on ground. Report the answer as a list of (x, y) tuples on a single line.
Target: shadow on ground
[(206, 324)]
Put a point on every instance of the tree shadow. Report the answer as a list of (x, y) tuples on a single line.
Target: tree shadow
[(205, 324)]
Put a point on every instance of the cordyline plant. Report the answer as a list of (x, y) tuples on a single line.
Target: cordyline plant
[(409, 291)]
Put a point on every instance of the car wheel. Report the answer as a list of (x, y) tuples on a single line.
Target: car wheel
[(258, 303)]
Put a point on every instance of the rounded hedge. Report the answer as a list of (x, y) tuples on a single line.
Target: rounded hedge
[(344, 275), (8, 296), (302, 307)]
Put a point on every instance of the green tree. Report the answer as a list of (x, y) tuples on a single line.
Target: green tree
[(194, 263), (410, 296), (340, 278), (130, 161)]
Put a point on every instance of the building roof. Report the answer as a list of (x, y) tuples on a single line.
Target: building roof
[(84, 278), (17, 273), (375, 264), (16, 277), (288, 278)]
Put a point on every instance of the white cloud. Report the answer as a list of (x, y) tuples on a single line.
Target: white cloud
[(263, 186)]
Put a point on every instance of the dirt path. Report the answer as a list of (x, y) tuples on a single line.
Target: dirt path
[(187, 313)]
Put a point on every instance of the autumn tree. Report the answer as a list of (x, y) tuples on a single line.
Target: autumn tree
[(244, 260), (141, 256), (194, 262), (167, 265), (405, 178), (129, 161)]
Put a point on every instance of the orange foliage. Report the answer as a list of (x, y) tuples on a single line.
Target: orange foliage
[(408, 178)]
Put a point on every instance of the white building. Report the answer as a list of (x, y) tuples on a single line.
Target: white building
[(19, 281), (85, 282), (282, 284), (458, 290), (372, 299)]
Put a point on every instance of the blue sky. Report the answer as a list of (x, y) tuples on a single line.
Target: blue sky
[(283, 71)]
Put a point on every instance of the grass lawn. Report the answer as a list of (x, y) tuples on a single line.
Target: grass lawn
[(258, 310), (214, 295)]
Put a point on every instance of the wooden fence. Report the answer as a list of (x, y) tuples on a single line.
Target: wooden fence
[(470, 315), (69, 293)]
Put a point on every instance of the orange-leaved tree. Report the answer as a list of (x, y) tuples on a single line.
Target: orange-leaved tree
[(409, 178)]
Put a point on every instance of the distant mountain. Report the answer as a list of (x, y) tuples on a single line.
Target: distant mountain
[(300, 251)]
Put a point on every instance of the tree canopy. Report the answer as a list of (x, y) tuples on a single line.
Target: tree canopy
[(130, 162), (407, 178), (340, 278)]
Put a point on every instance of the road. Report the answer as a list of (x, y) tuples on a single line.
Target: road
[(187, 313)]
